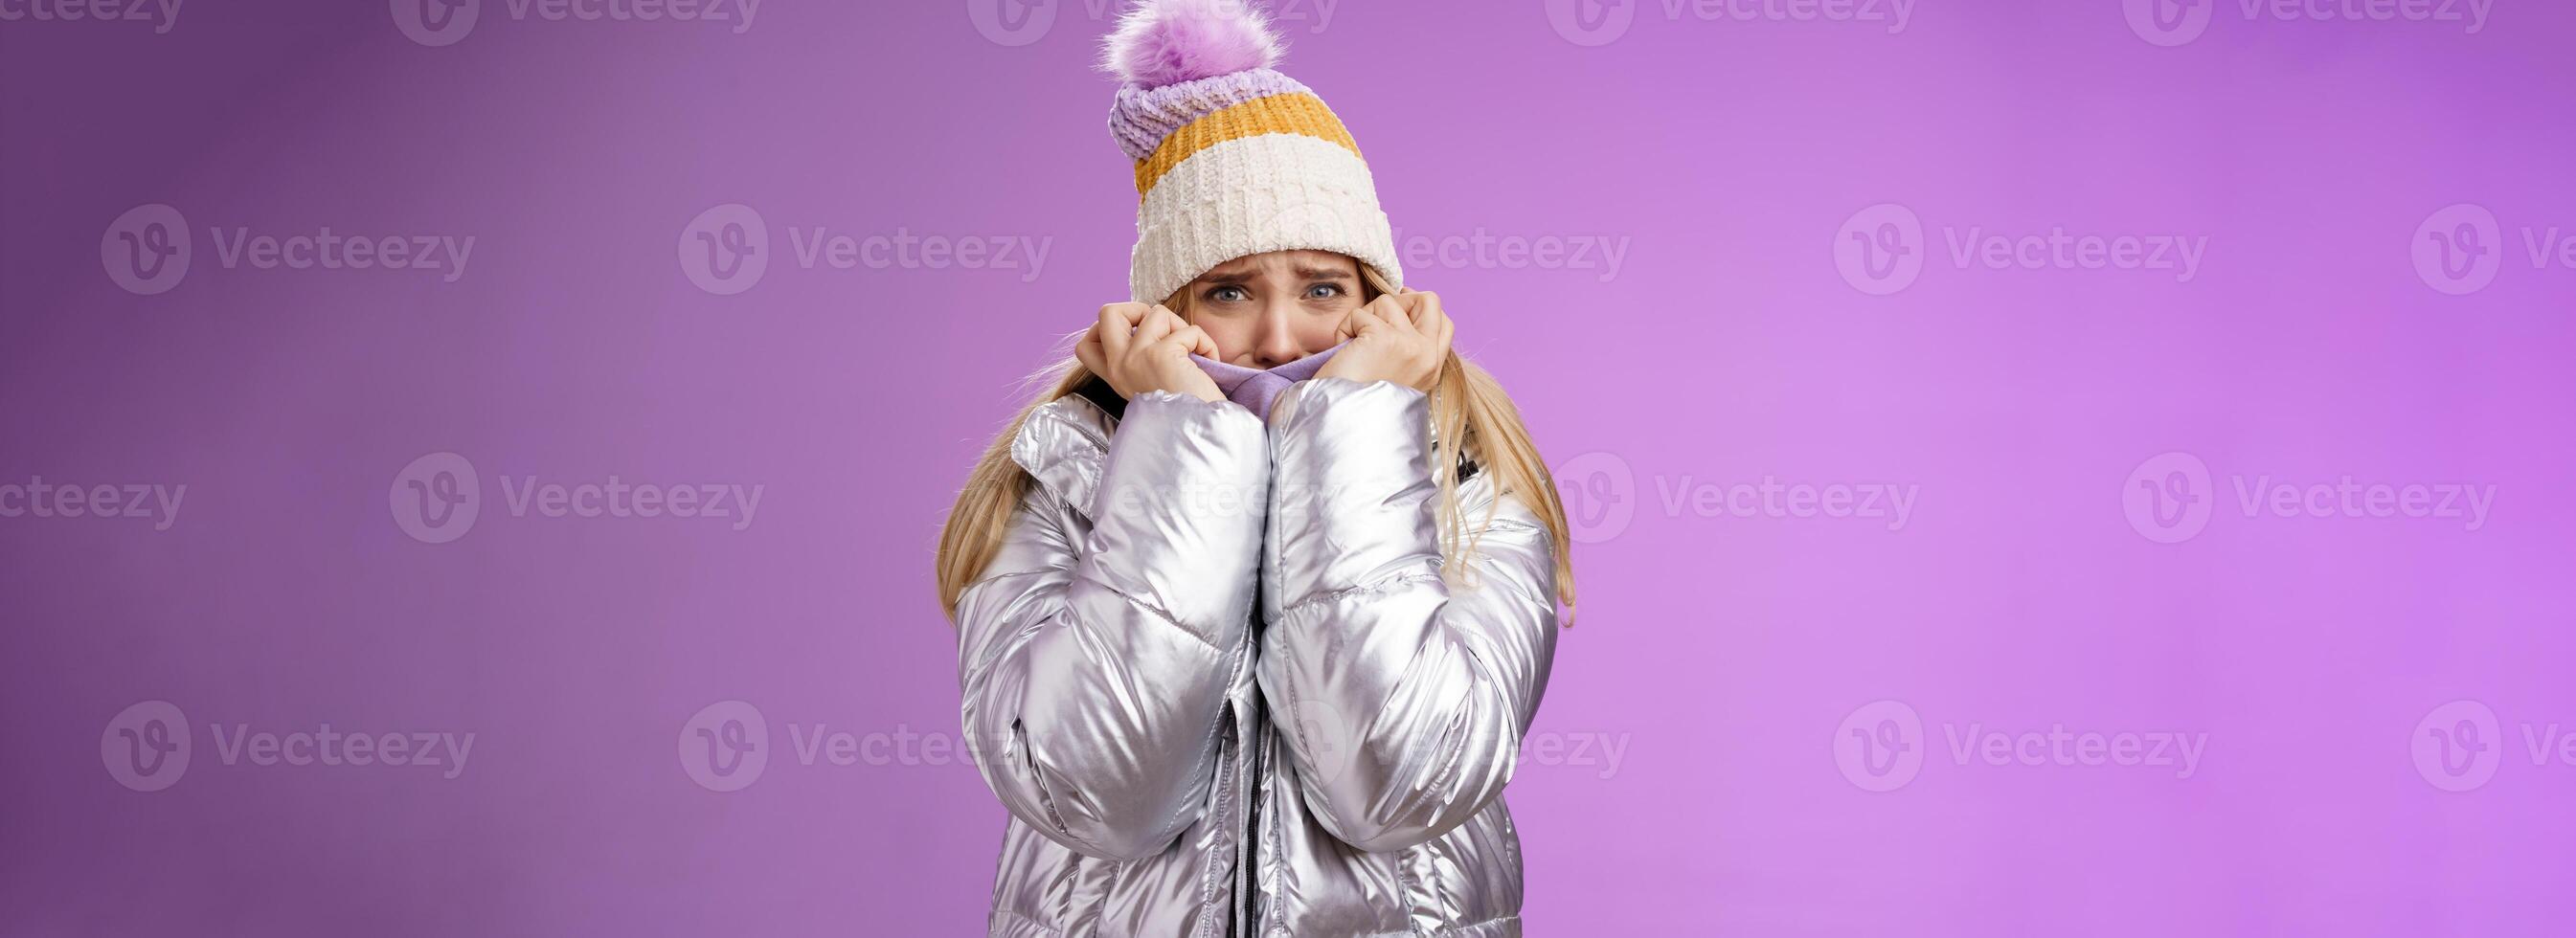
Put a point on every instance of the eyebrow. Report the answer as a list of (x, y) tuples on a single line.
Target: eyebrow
[(1302, 273)]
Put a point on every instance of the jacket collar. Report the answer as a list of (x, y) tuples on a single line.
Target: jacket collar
[(1063, 443)]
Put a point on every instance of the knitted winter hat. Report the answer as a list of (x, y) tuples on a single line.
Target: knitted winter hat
[(1232, 158)]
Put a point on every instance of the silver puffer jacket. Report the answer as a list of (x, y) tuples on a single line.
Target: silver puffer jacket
[(1218, 677)]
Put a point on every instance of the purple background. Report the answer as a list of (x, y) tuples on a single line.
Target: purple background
[(1724, 653)]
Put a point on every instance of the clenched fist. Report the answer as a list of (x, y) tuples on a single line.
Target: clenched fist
[(1139, 348), (1399, 337)]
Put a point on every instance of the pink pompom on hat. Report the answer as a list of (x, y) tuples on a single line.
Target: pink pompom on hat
[(1232, 157)]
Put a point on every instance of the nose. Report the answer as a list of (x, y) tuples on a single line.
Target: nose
[(1274, 339)]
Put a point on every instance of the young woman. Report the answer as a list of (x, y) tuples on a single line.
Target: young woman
[(1255, 603)]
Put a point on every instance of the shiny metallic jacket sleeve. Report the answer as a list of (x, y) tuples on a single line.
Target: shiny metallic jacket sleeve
[(1095, 669), (1403, 697)]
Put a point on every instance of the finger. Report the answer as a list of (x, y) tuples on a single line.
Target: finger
[(1378, 320), (1164, 314), (1356, 323), (1157, 323), (1434, 323), (1089, 352), (1425, 310), (1398, 313), (1196, 340), (1117, 325)]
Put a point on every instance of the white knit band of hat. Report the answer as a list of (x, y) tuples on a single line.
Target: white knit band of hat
[(1253, 195)]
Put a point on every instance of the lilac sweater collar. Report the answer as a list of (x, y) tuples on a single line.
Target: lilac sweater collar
[(1255, 388)]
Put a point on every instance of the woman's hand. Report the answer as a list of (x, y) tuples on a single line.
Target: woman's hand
[(1139, 348), (1399, 337)]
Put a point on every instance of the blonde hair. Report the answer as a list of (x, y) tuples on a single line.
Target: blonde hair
[(1470, 414)]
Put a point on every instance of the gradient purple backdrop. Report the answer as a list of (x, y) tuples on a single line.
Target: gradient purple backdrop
[(1741, 654)]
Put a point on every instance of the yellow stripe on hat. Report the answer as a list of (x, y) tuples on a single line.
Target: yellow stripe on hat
[(1296, 113)]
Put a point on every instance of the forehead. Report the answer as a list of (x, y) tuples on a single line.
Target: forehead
[(1284, 264)]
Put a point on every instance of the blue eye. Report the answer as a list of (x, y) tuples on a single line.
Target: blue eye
[(1227, 294), (1323, 291)]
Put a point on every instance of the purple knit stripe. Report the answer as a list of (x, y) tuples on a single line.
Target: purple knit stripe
[(1142, 117)]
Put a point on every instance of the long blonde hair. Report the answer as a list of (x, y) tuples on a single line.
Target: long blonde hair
[(1467, 406)]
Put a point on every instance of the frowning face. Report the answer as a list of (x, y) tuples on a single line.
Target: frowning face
[(1266, 310)]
